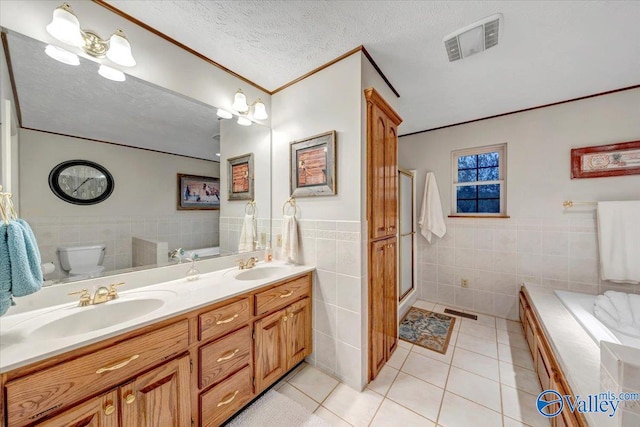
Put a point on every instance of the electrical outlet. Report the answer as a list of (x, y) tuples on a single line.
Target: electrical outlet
[(464, 283), (279, 240), (263, 239)]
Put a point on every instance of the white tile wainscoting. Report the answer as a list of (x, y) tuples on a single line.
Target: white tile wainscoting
[(230, 228), (191, 229), (497, 255), (335, 247)]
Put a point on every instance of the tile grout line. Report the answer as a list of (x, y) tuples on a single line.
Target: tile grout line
[(444, 391)]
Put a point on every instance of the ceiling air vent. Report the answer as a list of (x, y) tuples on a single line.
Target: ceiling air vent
[(474, 38)]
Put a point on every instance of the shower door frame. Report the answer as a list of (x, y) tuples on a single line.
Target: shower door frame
[(401, 295)]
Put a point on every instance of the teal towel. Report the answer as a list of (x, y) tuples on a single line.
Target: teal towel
[(5, 271), (24, 257)]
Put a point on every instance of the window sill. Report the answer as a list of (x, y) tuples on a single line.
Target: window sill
[(479, 216)]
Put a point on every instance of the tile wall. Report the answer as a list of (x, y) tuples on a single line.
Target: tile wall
[(186, 230), (335, 248), (620, 372), (497, 255)]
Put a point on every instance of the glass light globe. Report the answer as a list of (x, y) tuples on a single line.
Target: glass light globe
[(111, 73), (259, 110), (120, 50), (65, 26), (62, 55)]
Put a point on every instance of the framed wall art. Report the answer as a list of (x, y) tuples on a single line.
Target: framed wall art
[(313, 166), (606, 160), (240, 177), (198, 192)]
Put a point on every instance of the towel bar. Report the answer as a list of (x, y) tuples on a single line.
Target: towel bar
[(291, 202)]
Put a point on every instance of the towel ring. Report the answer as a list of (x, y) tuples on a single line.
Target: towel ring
[(291, 202), (250, 208)]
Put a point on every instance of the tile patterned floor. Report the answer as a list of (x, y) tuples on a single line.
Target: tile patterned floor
[(486, 378)]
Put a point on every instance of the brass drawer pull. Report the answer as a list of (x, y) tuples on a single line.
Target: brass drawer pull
[(284, 318), (130, 398), (288, 294), (227, 320), (109, 409), (228, 400), (228, 355), (118, 365)]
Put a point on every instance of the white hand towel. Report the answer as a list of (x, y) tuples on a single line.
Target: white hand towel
[(248, 234), (619, 239), (289, 238), (431, 218)]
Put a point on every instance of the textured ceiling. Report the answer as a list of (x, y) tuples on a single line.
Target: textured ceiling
[(77, 101), (549, 51)]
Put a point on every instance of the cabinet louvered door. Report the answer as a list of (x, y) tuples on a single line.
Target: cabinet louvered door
[(101, 411), (160, 397), (270, 350)]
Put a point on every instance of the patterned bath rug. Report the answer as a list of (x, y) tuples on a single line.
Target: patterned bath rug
[(427, 329)]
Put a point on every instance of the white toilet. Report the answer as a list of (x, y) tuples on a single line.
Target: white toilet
[(84, 261)]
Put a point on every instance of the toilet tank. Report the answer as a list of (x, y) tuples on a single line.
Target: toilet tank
[(76, 256)]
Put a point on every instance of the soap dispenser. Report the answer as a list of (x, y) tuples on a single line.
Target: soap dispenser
[(193, 273), (268, 255)]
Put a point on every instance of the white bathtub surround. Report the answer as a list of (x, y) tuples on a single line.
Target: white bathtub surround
[(190, 229), (619, 312), (620, 372), (619, 238), (149, 252)]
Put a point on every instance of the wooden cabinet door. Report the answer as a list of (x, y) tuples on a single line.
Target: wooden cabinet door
[(160, 397), (391, 178), (377, 171), (298, 333), (270, 351), (377, 355), (390, 297), (101, 411)]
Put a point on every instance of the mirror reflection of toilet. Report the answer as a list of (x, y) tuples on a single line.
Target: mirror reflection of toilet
[(82, 261)]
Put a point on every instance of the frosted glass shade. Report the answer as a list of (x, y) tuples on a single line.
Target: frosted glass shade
[(224, 114), (120, 50), (259, 111), (240, 102), (111, 73), (65, 26), (62, 55), (243, 121)]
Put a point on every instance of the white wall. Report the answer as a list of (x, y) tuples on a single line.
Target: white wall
[(142, 204), (8, 134), (541, 242)]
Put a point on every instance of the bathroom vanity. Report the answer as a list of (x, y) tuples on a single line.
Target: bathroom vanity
[(195, 363)]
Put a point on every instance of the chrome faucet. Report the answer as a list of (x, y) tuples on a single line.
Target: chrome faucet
[(101, 295), (177, 253)]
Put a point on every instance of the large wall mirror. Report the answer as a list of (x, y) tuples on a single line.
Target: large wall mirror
[(145, 136)]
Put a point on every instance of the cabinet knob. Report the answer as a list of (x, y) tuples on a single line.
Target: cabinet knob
[(129, 399), (284, 318), (109, 409)]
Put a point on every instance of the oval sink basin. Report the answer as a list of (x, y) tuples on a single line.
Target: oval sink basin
[(260, 273), (96, 317)]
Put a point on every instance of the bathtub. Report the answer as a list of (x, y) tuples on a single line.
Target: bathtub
[(204, 252), (581, 307)]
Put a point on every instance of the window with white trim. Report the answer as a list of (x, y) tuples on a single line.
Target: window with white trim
[(479, 181)]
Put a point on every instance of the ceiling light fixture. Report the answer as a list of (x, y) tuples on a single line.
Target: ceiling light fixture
[(65, 27), (224, 114), (111, 73), (241, 107), (474, 38), (62, 55)]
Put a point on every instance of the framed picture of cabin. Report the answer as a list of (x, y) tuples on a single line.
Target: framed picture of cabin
[(313, 166), (197, 192), (240, 177), (606, 160)]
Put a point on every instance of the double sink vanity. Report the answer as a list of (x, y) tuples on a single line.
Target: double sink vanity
[(178, 353)]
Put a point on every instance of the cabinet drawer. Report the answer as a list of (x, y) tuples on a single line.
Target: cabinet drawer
[(282, 295), (224, 356), (34, 396), (218, 322), (219, 403)]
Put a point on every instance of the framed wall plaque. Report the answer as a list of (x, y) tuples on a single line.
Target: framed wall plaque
[(198, 192), (240, 177), (606, 160), (313, 166)]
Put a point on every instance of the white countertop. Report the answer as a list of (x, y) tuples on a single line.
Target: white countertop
[(18, 348), (577, 354)]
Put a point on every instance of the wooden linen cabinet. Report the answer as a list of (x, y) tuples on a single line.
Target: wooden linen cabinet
[(382, 217)]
